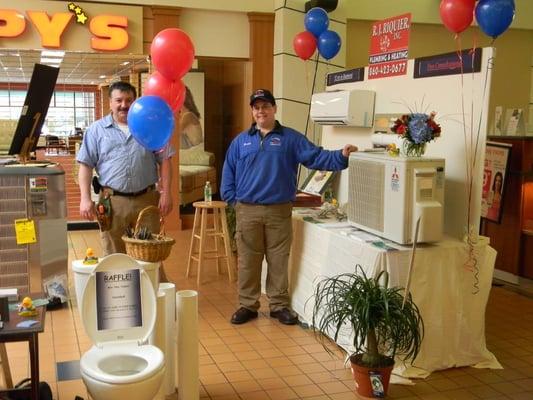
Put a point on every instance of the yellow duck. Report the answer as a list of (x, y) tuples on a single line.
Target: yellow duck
[(90, 257), (26, 308)]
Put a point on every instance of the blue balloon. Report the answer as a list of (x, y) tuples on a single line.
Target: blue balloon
[(494, 16), (316, 21), (151, 122), (329, 44)]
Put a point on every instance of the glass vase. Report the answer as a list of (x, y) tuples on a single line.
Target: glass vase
[(413, 149)]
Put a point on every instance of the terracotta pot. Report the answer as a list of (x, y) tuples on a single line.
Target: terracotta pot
[(362, 376)]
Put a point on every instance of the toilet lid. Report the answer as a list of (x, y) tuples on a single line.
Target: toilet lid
[(119, 302)]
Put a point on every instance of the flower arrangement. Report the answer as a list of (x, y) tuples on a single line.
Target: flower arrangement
[(416, 129)]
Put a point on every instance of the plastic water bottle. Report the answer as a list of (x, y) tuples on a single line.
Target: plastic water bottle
[(207, 192)]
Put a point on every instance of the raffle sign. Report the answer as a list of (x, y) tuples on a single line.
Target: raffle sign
[(389, 46), (118, 299)]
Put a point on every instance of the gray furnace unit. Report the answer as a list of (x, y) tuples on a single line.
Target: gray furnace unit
[(36, 193)]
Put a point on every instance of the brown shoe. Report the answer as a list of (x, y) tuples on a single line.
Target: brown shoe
[(285, 316), (243, 315)]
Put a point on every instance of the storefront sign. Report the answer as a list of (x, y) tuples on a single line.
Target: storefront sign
[(71, 26), (389, 46), (448, 64)]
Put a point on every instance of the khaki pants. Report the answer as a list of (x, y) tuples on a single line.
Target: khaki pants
[(264, 231), (124, 213)]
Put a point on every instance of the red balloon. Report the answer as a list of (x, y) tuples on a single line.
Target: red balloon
[(173, 92), (457, 15), (304, 44), (172, 53)]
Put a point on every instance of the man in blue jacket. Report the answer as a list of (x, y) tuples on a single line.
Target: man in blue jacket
[(259, 179)]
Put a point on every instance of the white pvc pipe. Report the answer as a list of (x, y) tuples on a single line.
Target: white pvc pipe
[(169, 383), (158, 336), (187, 321)]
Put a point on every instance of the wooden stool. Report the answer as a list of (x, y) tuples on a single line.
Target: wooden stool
[(200, 233)]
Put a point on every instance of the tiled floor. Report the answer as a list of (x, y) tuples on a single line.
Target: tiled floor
[(266, 360)]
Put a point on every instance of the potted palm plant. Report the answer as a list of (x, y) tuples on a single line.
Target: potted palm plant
[(384, 323)]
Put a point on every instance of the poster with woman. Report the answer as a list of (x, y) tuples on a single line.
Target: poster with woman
[(496, 162)]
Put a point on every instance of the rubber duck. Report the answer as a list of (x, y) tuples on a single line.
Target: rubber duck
[(26, 308), (90, 258)]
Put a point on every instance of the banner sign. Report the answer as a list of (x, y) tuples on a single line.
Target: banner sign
[(352, 75), (389, 47), (448, 64)]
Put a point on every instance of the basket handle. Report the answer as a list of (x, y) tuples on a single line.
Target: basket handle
[(146, 211)]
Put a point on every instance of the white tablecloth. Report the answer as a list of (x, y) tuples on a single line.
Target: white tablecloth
[(452, 301)]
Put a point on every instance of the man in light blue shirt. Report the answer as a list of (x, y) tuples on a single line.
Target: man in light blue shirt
[(127, 172)]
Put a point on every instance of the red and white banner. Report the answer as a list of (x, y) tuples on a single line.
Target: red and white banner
[(389, 47)]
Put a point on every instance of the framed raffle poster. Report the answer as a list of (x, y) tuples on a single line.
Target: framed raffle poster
[(494, 180)]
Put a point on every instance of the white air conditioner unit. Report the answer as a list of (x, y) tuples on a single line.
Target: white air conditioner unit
[(344, 107), (388, 194)]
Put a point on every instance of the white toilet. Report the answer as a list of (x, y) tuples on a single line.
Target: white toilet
[(119, 321)]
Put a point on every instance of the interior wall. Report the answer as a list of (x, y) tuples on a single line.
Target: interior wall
[(394, 95), (511, 75)]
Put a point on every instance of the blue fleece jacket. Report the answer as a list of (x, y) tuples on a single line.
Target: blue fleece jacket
[(264, 170)]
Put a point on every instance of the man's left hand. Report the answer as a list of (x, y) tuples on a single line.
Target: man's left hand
[(349, 148), (165, 203)]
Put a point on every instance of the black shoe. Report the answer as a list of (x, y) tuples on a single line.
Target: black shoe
[(285, 316), (243, 315)]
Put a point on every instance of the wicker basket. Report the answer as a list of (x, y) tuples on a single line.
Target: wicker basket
[(153, 250)]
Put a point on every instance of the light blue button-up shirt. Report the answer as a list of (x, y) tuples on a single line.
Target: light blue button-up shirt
[(120, 161)]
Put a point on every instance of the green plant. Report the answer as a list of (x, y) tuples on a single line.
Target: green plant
[(383, 326)]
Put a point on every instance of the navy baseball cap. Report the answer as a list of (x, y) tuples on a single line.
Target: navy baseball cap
[(262, 94)]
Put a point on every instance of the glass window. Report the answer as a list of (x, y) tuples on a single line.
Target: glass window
[(17, 97), (68, 110), (4, 97), (84, 99), (64, 99)]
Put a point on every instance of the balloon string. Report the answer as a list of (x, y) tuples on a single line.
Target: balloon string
[(309, 110)]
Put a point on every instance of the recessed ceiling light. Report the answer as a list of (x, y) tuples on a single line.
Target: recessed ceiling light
[(5, 68), (101, 76), (125, 63), (51, 60), (52, 53)]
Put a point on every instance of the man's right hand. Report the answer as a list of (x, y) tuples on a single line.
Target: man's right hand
[(87, 209)]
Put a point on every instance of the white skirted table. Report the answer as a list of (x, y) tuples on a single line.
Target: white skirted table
[(451, 297)]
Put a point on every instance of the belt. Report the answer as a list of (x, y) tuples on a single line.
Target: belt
[(114, 192)]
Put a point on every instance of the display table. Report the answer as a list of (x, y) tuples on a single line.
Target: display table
[(452, 301), (11, 333)]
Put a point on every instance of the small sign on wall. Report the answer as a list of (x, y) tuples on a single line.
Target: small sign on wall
[(494, 179), (389, 45)]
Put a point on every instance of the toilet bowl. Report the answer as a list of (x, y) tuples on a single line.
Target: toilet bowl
[(118, 308)]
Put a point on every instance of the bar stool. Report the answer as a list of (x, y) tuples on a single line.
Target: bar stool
[(200, 234)]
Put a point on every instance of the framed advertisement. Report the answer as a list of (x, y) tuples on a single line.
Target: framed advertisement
[(494, 180), (317, 182)]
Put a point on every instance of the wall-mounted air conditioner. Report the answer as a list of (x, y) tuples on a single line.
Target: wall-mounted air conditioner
[(344, 107)]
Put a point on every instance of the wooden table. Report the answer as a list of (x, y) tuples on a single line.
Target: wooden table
[(10, 333)]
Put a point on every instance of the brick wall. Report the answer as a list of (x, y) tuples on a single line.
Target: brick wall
[(68, 163)]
